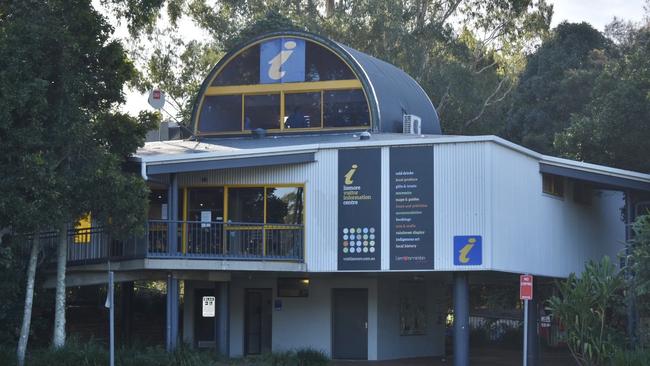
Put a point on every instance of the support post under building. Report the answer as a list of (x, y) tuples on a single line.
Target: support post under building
[(461, 319), (223, 318), (172, 206), (171, 339)]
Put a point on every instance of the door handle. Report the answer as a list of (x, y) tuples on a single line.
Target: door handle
[(365, 325)]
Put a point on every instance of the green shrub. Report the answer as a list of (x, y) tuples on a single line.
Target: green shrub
[(8, 354), (623, 357), (300, 357), (590, 307), (94, 354), (311, 357), (72, 354)]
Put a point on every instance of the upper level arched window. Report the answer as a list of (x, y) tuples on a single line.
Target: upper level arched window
[(283, 84)]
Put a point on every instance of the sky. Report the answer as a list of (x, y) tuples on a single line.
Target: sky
[(598, 13)]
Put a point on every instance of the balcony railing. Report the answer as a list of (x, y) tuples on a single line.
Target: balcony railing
[(187, 239), (228, 240)]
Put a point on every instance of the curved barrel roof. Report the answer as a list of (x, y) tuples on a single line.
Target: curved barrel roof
[(390, 91)]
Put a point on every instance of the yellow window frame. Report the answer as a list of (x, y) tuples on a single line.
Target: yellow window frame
[(281, 88), (236, 227)]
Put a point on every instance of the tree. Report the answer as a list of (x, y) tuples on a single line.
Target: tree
[(590, 307), (468, 70), (557, 82), (60, 77), (638, 264), (614, 127)]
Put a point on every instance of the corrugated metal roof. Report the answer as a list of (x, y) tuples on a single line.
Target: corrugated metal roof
[(391, 92), (397, 93), (242, 147)]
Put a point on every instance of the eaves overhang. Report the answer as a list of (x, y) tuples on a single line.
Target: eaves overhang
[(621, 180)]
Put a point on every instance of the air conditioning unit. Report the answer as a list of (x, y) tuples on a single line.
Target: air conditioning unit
[(412, 124)]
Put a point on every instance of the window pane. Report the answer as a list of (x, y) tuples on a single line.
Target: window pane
[(246, 205), (284, 205), (345, 108), (158, 205), (302, 110), (220, 114), (321, 64), (205, 200), (244, 69), (262, 111)]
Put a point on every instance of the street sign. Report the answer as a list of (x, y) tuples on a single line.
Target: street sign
[(525, 294), (156, 98), (525, 287), (208, 306)]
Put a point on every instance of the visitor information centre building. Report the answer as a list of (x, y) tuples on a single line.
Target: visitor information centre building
[(318, 204)]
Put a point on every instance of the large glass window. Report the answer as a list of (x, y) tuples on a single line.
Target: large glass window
[(158, 208), (158, 205), (262, 111), (246, 204), (322, 64), (328, 96), (284, 205), (221, 113), (345, 108), (244, 69), (205, 204), (302, 110)]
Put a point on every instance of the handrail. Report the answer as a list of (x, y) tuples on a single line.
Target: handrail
[(200, 240)]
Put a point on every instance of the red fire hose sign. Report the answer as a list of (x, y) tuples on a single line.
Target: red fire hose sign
[(525, 287)]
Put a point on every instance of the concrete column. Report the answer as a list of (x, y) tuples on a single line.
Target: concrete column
[(223, 319), (172, 206), (461, 319), (172, 313)]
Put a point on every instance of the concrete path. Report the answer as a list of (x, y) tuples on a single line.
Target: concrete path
[(480, 357)]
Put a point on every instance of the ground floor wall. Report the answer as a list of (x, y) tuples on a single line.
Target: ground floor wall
[(405, 314)]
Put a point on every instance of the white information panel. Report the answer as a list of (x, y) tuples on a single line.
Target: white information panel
[(208, 306), (206, 218)]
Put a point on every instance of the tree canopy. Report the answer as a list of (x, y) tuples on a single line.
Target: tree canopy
[(468, 73), (556, 83), (62, 144), (60, 79)]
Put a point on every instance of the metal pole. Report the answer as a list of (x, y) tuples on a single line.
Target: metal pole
[(112, 318), (461, 319), (525, 332)]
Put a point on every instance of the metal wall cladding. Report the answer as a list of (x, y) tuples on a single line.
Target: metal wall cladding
[(319, 179), (480, 188), (461, 186), (542, 234)]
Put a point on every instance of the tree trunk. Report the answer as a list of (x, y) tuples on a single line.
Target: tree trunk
[(58, 340), (329, 8), (29, 300)]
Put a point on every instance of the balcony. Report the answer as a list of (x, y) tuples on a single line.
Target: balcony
[(188, 240)]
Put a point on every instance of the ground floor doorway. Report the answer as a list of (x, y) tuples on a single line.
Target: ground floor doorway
[(257, 321), (350, 324), (205, 334)]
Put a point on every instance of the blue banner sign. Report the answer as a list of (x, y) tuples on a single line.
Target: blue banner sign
[(282, 60), (359, 226), (468, 250), (411, 208)]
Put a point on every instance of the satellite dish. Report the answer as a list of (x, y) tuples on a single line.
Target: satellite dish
[(156, 98)]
